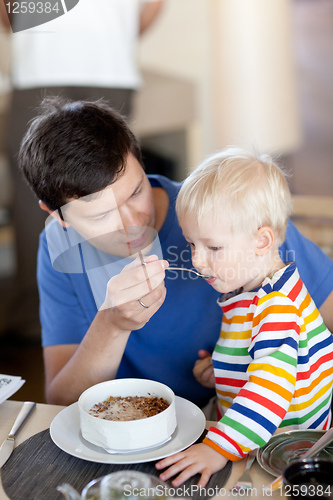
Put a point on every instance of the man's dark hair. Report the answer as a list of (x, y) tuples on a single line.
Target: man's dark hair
[(75, 148)]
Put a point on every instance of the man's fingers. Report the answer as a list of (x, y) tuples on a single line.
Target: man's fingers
[(157, 296), (127, 301), (131, 276), (137, 262), (136, 292)]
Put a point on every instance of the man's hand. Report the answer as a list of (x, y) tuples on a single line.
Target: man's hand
[(70, 369), (203, 369), (136, 282)]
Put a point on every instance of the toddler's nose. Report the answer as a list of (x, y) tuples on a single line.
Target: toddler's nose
[(198, 260)]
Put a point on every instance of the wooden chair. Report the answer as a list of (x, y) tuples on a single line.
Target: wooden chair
[(313, 216)]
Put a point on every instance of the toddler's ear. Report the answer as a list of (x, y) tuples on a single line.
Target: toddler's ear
[(265, 240)]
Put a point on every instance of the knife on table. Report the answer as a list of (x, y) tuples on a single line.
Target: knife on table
[(9, 443)]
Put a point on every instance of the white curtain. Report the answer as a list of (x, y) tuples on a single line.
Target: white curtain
[(254, 81)]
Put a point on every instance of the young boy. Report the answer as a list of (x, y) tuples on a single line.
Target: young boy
[(273, 362)]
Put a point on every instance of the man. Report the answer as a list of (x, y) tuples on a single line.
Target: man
[(88, 53), (85, 167)]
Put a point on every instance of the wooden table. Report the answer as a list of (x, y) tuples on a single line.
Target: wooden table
[(43, 415)]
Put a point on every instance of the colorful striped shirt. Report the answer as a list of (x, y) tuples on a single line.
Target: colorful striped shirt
[(273, 365)]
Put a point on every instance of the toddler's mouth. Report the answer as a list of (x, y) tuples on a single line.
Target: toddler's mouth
[(204, 276)]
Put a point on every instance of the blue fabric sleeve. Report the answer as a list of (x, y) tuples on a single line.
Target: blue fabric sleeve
[(64, 314)]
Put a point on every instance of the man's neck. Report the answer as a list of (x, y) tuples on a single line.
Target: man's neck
[(161, 200)]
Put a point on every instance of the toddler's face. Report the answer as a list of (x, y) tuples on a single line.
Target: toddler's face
[(230, 258)]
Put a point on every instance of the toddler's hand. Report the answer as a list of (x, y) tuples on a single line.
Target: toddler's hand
[(199, 458), (203, 369)]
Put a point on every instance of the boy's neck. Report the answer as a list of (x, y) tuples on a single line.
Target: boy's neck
[(271, 265), (277, 264)]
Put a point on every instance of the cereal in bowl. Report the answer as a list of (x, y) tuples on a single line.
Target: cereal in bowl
[(128, 408)]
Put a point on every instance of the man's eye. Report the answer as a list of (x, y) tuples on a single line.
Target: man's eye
[(101, 217), (137, 192)]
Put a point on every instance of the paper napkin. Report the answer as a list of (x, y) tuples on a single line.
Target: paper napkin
[(9, 384)]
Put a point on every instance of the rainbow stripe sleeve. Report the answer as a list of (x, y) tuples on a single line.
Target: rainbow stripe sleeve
[(273, 365)]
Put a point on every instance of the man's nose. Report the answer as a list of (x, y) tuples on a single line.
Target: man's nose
[(129, 218)]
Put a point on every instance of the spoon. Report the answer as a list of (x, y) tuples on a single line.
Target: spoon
[(205, 276)]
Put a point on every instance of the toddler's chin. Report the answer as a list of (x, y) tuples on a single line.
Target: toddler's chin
[(222, 287), (218, 287)]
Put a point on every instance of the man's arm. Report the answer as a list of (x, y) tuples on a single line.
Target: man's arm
[(326, 310), (148, 14), (72, 368)]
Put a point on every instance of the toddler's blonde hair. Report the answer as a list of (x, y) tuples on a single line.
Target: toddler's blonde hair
[(249, 188)]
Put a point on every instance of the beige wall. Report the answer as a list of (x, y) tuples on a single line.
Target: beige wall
[(178, 44), (254, 75), (205, 42)]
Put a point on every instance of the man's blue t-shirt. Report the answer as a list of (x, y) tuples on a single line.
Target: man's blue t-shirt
[(166, 348)]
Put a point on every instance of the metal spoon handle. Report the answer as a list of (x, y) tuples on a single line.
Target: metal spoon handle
[(319, 445), (182, 269), (189, 270)]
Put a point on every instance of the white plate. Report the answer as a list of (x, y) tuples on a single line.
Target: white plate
[(65, 433)]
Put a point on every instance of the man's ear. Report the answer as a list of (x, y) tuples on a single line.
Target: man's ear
[(265, 240), (54, 214)]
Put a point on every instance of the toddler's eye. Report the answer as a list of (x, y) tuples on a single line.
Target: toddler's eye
[(214, 249)]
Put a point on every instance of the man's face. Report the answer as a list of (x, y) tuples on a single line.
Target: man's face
[(119, 219)]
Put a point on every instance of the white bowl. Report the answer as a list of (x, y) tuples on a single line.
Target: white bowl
[(124, 436)]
